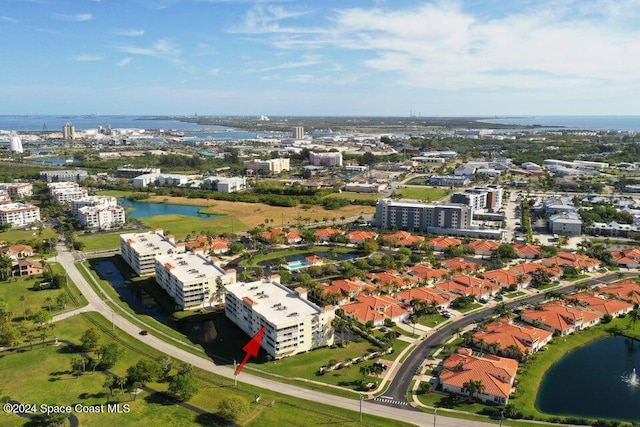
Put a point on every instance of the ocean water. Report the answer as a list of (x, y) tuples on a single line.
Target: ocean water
[(623, 123), (55, 123)]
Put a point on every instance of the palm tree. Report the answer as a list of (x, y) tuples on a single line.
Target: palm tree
[(377, 369), (48, 301), (501, 310), (634, 315), (365, 370), (473, 387), (22, 300)]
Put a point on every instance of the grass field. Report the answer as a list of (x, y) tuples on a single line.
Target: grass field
[(35, 300), (13, 236), (49, 381), (355, 196), (252, 214), (99, 241), (429, 194)]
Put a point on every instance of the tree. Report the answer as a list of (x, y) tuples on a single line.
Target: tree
[(5, 266), (236, 248), (506, 251), (62, 300), (108, 355), (473, 387), (42, 318), (501, 310), (183, 386), (89, 340), (109, 384), (424, 387), (144, 371), (232, 407), (368, 246)]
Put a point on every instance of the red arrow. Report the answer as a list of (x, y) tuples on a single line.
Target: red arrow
[(251, 348)]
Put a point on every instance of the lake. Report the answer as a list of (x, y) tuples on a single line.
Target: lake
[(149, 209), (588, 382)]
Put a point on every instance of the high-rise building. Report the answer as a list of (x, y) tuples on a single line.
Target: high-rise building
[(192, 280), (487, 198), (293, 323), (19, 214), (267, 167), (68, 131), (422, 216), (298, 132), (331, 158), (139, 250)]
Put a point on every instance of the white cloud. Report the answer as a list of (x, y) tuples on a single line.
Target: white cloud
[(78, 17), (214, 71), (8, 19), (124, 62), (130, 32), (263, 19), (88, 58), (305, 61), (543, 46), (161, 48)]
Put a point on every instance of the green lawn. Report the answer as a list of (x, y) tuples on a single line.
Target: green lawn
[(36, 300), (99, 241), (428, 194), (181, 225), (355, 196), (49, 381), (515, 294), (470, 307), (431, 320), (14, 236)]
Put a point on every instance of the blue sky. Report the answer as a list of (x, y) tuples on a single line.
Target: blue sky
[(320, 57)]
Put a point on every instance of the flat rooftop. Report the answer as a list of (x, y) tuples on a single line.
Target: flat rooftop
[(147, 242), (276, 303), (189, 267)]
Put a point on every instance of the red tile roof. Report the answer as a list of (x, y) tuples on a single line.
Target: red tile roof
[(402, 238), (561, 317), (484, 245), (506, 278), (439, 243), (361, 235), (495, 373), (505, 333), (525, 250), (602, 304), (628, 290), (325, 233), (459, 264)]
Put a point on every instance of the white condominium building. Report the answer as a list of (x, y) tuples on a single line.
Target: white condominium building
[(225, 184), (19, 214), (325, 159), (101, 217), (192, 280), (139, 250), (270, 166), (63, 192), (293, 323), (18, 189), (93, 201)]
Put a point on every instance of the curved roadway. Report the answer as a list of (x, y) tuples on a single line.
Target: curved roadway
[(402, 380), (397, 389)]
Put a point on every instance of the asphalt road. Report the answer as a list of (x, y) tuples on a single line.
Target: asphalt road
[(96, 303), (400, 384)]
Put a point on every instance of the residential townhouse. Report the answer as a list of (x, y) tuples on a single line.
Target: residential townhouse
[(505, 333), (375, 309), (560, 318), (495, 373)]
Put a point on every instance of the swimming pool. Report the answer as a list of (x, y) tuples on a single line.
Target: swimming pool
[(294, 265)]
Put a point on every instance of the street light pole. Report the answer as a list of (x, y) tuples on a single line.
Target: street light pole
[(501, 417), (435, 411), (361, 398)]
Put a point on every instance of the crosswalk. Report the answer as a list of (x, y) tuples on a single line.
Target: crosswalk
[(386, 400)]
